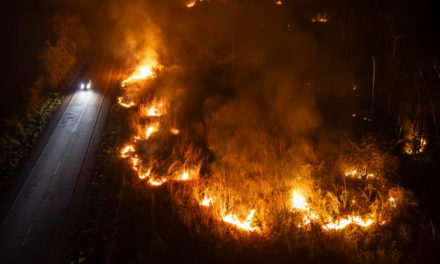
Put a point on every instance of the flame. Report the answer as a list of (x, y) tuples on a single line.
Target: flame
[(354, 173), (393, 201), (154, 182), (278, 3), (308, 218), (299, 201), (207, 202), (191, 3), (143, 72), (351, 219), (174, 131), (124, 104), (127, 149), (245, 225), (423, 144), (135, 163), (156, 108), (149, 130), (320, 17), (188, 174), (145, 175)]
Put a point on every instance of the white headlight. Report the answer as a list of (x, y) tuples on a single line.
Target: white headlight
[(82, 86), (88, 85)]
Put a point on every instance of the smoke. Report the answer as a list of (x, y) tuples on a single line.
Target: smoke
[(242, 81)]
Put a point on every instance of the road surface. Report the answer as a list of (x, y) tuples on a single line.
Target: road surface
[(35, 221)]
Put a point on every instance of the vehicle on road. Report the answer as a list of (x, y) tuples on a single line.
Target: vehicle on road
[(86, 85)]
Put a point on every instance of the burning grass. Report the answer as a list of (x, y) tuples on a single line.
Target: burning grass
[(261, 177)]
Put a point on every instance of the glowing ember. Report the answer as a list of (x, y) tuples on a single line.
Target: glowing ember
[(126, 150), (206, 201), (125, 104), (245, 225), (154, 182), (278, 3), (342, 223), (299, 201)]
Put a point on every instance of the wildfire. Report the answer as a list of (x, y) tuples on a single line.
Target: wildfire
[(174, 131), (415, 146), (351, 219), (207, 202), (125, 104), (126, 150), (354, 173), (188, 174), (145, 175), (135, 163), (154, 182), (245, 225), (393, 201), (320, 18), (299, 201), (150, 130), (423, 144), (191, 3), (155, 109), (143, 72)]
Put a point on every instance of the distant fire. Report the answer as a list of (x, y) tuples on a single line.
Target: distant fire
[(174, 131), (191, 3), (320, 18)]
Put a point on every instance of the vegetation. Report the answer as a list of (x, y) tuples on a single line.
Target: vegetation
[(169, 218), (59, 67), (19, 138)]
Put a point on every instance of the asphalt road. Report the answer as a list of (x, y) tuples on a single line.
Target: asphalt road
[(35, 221)]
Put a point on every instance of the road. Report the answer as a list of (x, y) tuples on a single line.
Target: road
[(35, 221)]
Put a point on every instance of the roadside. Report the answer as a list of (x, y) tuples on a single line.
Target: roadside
[(40, 208), (24, 146)]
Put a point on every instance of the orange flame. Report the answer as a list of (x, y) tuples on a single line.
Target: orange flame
[(124, 104), (245, 225), (191, 3), (126, 150), (154, 182), (351, 219), (143, 72), (207, 202)]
